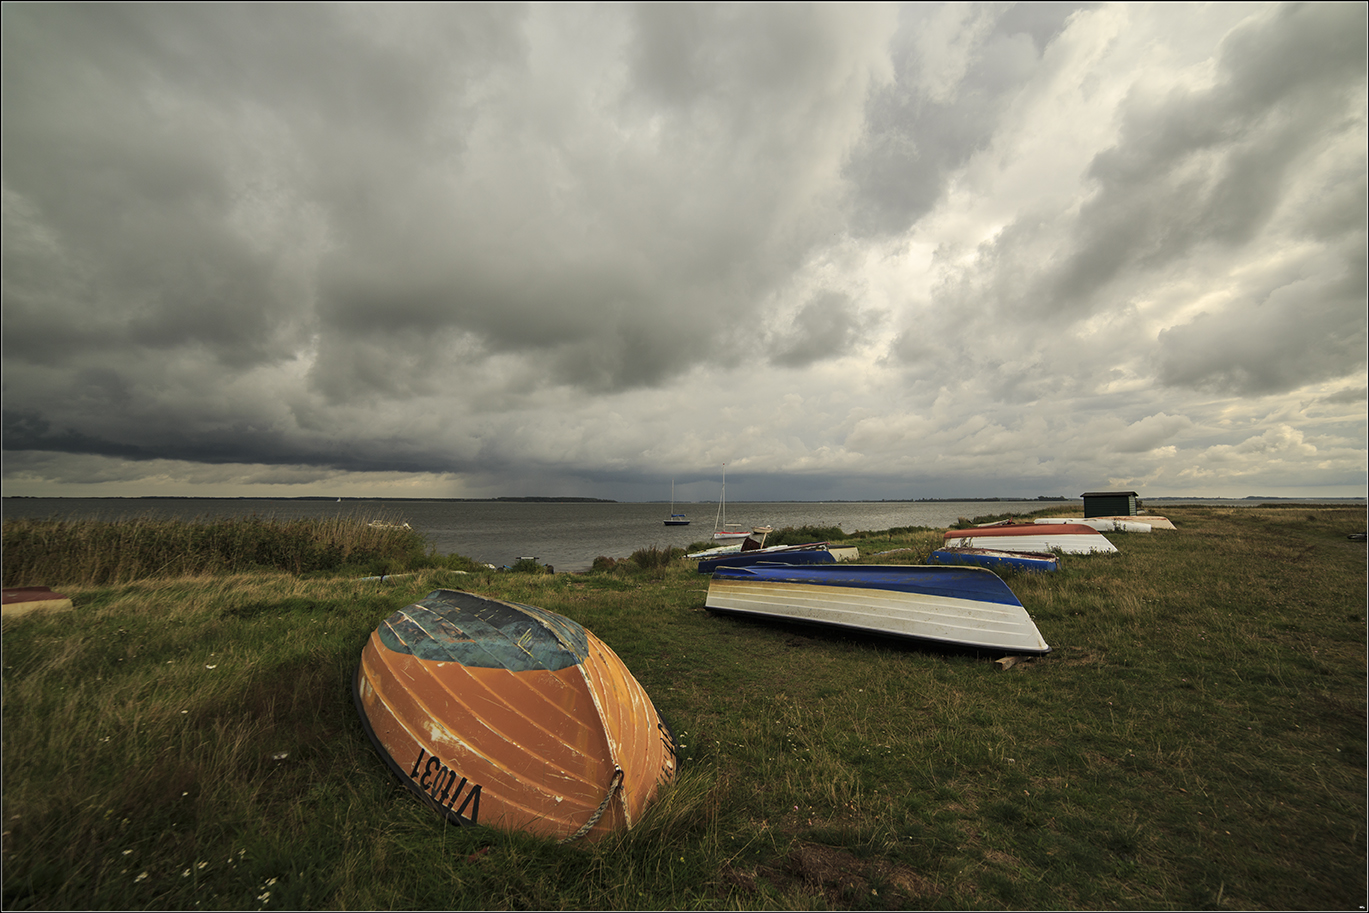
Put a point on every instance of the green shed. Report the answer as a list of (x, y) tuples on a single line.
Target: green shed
[(1109, 504)]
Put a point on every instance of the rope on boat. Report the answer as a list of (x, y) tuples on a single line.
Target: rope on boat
[(598, 812)]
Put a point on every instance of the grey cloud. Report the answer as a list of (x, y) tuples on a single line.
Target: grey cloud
[(1347, 396), (913, 141), (1209, 166), (1306, 331), (825, 327), (1149, 433)]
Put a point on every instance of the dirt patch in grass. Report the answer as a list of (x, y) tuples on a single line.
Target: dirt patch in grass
[(837, 876)]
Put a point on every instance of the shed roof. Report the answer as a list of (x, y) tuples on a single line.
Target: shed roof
[(1107, 494)]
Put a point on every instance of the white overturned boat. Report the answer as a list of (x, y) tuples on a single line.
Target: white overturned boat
[(1102, 524), (1071, 538), (967, 606)]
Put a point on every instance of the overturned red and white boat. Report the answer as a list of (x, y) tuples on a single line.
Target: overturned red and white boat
[(1071, 538)]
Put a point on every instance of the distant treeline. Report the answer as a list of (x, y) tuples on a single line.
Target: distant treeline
[(959, 500)]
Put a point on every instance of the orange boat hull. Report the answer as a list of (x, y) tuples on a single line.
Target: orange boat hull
[(512, 716)]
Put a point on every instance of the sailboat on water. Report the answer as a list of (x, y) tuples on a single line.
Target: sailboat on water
[(724, 532), (675, 519)]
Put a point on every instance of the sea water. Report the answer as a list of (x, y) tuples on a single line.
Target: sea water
[(566, 535)]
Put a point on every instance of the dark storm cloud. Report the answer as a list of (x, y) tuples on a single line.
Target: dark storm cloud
[(825, 327), (1305, 331), (552, 241), (915, 137)]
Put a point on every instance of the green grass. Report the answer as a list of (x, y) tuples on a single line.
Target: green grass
[(1196, 739), (66, 552)]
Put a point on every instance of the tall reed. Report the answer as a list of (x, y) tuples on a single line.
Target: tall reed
[(96, 552)]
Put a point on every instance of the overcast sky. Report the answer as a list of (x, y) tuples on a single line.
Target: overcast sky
[(849, 251)]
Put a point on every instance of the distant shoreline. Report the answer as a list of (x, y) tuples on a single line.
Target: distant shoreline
[(553, 499)]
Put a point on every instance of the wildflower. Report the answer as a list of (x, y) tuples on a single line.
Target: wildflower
[(270, 881), (200, 865), (186, 873), (215, 666), (140, 878), (126, 852)]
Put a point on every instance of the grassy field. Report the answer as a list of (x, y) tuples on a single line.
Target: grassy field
[(1196, 739)]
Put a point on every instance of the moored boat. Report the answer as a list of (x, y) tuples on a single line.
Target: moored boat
[(674, 519), (1071, 538), (967, 606), (509, 715), (995, 559)]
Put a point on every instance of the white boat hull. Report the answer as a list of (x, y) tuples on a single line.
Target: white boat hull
[(1070, 543), (1102, 524), (928, 617)]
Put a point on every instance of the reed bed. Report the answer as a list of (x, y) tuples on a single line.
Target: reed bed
[(96, 552), (1196, 740)]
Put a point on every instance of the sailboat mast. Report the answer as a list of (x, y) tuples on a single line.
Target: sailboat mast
[(722, 505)]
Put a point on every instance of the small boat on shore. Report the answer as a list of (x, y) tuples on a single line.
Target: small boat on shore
[(812, 553), (23, 600), (966, 606), (1102, 524), (497, 713), (996, 560), (1071, 538)]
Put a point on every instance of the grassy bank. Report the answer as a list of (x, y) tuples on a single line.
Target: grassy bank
[(1195, 740), (92, 552)]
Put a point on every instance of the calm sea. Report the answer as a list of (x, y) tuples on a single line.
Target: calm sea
[(568, 536)]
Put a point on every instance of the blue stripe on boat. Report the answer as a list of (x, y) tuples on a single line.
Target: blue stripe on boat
[(744, 559), (954, 582), (1022, 562)]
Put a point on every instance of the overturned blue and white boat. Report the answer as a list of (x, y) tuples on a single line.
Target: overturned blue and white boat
[(812, 553), (965, 606)]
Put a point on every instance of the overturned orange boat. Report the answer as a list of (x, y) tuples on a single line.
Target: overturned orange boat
[(509, 715)]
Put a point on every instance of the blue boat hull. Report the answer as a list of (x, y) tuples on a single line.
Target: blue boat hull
[(967, 606), (748, 559), (994, 560)]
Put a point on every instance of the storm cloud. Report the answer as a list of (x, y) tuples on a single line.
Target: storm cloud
[(849, 250)]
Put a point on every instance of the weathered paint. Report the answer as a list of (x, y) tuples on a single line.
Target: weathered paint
[(535, 715), (1071, 538), (991, 559), (956, 605)]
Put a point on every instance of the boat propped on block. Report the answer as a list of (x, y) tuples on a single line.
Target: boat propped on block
[(964, 606), (509, 715), (1070, 538)]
